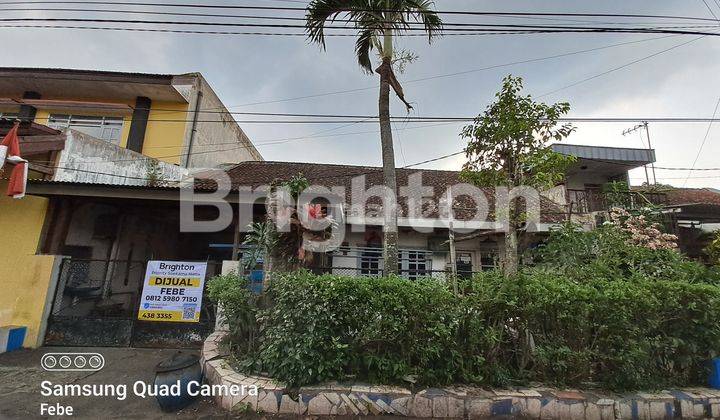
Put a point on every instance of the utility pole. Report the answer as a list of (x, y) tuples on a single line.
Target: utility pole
[(652, 164), (645, 126)]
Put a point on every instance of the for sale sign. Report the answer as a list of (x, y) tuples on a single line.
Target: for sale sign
[(172, 291)]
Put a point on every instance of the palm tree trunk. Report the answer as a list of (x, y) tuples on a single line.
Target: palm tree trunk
[(390, 237)]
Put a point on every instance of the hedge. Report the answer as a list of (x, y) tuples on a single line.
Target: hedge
[(620, 335)]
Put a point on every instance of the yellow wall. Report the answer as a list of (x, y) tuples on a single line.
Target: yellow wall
[(24, 275), (163, 139)]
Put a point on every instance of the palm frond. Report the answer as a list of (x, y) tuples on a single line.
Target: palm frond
[(423, 11), (363, 47), (372, 18), (320, 12)]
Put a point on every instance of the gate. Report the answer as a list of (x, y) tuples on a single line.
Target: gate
[(96, 304)]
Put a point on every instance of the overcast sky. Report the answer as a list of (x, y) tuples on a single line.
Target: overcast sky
[(682, 82)]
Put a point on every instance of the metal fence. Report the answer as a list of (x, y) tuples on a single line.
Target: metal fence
[(378, 272), (586, 201), (96, 303)]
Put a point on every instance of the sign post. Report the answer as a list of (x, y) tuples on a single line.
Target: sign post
[(172, 291)]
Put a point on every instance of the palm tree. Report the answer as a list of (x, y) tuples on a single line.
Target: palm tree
[(377, 21)]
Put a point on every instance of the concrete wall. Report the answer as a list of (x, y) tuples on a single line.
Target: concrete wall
[(87, 159), (218, 138), (26, 277)]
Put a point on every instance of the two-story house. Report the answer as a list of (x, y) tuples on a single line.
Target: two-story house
[(102, 128)]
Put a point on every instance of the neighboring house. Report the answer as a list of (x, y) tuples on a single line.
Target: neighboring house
[(581, 197), (695, 213), (96, 127), (586, 182)]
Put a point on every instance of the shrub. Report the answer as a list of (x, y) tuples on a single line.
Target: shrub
[(239, 308), (622, 334), (605, 253), (383, 330), (539, 326)]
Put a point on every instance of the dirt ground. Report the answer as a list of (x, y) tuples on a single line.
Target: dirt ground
[(21, 375)]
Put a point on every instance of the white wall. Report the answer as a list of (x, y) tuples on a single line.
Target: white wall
[(87, 159)]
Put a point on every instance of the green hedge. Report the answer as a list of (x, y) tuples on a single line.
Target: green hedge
[(539, 327)]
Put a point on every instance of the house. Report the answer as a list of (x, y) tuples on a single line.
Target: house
[(423, 242), (97, 127), (695, 213), (595, 169)]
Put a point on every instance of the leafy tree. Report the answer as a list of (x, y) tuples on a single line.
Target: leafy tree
[(507, 146), (377, 22)]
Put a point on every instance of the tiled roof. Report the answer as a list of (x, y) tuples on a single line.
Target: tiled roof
[(256, 174), (681, 196)]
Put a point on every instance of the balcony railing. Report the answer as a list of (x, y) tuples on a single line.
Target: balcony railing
[(588, 201)]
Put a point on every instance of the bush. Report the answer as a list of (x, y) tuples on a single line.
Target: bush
[(595, 309), (631, 334), (382, 330), (540, 326), (605, 253), (239, 308)]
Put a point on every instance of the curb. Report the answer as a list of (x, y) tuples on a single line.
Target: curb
[(450, 402)]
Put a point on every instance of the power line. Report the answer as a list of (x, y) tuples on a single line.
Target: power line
[(363, 172), (483, 28), (298, 34), (303, 9), (702, 145), (614, 69), (451, 74), (303, 19), (459, 73), (711, 10), (374, 119)]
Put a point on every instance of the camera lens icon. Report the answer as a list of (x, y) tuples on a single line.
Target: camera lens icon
[(72, 362)]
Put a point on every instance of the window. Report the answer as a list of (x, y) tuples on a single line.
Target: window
[(370, 261), (488, 261), (414, 264), (464, 264), (103, 128)]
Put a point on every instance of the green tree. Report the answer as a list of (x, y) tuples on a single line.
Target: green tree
[(377, 22), (507, 146)]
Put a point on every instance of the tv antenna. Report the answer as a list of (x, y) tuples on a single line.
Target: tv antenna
[(638, 127)]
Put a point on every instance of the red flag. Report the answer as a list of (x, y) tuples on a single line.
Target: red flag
[(18, 180), (12, 142), (10, 150)]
